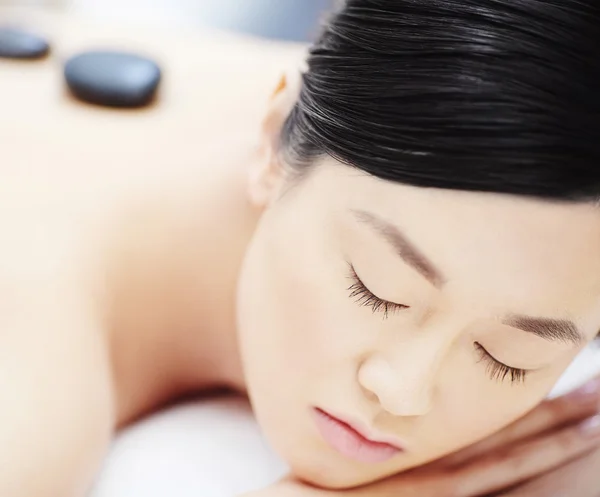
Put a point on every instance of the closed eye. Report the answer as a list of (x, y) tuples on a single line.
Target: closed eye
[(498, 370), (364, 297)]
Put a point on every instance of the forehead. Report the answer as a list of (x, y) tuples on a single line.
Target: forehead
[(512, 253)]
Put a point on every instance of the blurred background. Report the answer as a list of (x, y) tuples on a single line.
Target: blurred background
[(292, 20)]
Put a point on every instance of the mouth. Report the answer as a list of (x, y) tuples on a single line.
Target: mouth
[(351, 441)]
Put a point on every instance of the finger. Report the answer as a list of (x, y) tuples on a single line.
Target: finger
[(526, 461), (548, 416), (579, 478)]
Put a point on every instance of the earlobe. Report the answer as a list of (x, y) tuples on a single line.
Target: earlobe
[(264, 180)]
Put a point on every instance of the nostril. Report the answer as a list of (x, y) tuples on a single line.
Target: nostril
[(369, 376), (380, 384), (369, 395)]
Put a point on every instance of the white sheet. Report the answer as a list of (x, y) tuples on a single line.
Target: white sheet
[(201, 449), (215, 449)]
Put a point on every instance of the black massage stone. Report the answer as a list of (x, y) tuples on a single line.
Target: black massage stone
[(113, 79), (19, 44)]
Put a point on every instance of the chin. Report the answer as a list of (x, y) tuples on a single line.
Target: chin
[(320, 470), (326, 480), (329, 475)]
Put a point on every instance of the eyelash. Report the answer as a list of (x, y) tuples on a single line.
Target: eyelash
[(498, 370), (364, 297)]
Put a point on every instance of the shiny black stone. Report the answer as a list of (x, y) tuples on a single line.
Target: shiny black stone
[(19, 44), (113, 79)]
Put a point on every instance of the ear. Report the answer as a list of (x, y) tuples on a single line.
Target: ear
[(266, 175)]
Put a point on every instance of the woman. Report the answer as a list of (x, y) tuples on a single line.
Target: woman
[(402, 263)]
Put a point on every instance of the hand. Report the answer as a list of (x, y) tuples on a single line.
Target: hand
[(579, 478), (552, 451), (576, 476)]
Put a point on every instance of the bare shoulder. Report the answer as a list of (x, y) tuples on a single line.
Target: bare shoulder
[(69, 169), (214, 84)]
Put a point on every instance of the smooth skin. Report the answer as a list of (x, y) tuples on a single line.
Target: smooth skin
[(548, 452), (152, 254)]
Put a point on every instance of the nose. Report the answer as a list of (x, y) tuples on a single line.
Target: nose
[(404, 390)]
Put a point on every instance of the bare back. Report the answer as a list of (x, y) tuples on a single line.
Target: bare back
[(111, 222)]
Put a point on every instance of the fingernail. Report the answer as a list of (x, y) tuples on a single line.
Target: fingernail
[(589, 391), (591, 427)]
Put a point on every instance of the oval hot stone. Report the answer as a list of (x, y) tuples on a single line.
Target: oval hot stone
[(114, 79), (20, 44)]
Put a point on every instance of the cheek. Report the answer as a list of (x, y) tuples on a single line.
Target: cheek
[(291, 305), (473, 407), (291, 327), (481, 415), (270, 345)]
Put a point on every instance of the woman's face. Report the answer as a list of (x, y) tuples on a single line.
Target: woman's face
[(422, 317)]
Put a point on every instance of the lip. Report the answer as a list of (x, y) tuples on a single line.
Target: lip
[(352, 440)]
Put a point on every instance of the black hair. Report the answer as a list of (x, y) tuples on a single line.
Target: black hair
[(480, 95)]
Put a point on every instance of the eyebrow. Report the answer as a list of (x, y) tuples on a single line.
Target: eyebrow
[(554, 330), (403, 247)]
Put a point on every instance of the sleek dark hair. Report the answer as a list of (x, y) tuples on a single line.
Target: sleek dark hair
[(480, 95)]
